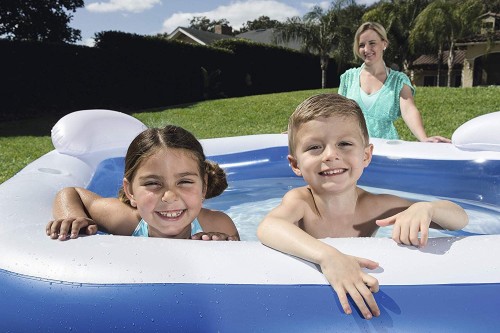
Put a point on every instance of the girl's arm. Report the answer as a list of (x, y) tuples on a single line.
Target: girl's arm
[(279, 231), (413, 118), (420, 216), (216, 225), (76, 208)]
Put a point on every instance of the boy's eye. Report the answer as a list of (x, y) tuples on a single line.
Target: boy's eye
[(313, 147), (345, 144)]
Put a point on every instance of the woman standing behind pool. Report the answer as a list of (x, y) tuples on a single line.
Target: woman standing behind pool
[(383, 94), (166, 180)]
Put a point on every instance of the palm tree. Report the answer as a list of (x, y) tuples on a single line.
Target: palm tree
[(318, 32), (443, 22)]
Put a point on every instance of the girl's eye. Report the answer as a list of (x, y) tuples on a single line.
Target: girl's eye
[(152, 184), (185, 182)]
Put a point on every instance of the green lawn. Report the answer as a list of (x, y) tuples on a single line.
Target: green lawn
[(443, 111)]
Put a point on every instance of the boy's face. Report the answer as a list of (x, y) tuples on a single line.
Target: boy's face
[(330, 154)]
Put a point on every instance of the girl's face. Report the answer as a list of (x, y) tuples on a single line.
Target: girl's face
[(371, 46), (168, 192), (330, 154)]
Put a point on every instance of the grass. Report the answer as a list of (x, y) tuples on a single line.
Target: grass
[(443, 111)]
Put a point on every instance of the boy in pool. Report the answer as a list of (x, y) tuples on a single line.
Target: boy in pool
[(329, 147)]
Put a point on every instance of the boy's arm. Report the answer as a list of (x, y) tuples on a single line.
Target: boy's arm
[(420, 216), (77, 208), (279, 231)]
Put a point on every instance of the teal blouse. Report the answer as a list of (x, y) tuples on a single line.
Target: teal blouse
[(385, 110)]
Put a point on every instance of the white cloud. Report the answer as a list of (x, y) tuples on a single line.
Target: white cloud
[(88, 42), (310, 5), (133, 6), (237, 13)]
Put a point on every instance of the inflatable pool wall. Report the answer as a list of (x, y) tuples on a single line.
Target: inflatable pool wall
[(106, 283)]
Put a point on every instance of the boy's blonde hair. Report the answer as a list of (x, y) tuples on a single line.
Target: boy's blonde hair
[(324, 105), (377, 27)]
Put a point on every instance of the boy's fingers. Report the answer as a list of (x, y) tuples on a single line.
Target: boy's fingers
[(386, 222), (359, 300), (424, 236), (343, 301), (366, 263)]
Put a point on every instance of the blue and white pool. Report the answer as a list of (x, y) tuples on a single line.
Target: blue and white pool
[(104, 282)]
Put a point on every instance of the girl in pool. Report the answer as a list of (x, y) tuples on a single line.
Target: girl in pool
[(166, 180)]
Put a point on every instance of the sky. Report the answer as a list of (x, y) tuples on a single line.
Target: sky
[(149, 17)]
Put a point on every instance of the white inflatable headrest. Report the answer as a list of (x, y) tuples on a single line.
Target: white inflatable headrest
[(87, 131), (480, 133)]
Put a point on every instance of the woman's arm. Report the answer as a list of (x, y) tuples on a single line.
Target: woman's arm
[(413, 118)]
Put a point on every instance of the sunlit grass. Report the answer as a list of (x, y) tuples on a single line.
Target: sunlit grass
[(443, 111)]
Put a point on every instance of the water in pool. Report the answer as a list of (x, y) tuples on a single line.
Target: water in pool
[(248, 201)]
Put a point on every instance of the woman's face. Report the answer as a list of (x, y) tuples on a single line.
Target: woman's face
[(371, 46)]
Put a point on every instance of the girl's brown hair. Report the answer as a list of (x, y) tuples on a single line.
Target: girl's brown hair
[(151, 140)]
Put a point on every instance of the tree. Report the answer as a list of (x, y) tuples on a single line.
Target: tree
[(263, 22), (398, 18), (442, 22), (205, 24), (35, 20), (317, 31)]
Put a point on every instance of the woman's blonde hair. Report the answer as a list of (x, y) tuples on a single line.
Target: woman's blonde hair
[(377, 27)]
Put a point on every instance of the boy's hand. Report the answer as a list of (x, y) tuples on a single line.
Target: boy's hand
[(214, 236), (409, 223), (344, 274), (58, 229)]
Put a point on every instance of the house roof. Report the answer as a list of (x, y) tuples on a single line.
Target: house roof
[(266, 36), (197, 36), (431, 59), (481, 38)]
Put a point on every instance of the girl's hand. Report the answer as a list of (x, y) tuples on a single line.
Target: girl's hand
[(58, 229), (409, 223), (214, 236), (344, 274)]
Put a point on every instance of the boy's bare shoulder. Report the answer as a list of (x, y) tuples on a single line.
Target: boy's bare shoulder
[(383, 203), (297, 194)]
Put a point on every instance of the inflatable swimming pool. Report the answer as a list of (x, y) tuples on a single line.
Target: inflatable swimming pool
[(108, 283)]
